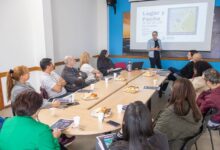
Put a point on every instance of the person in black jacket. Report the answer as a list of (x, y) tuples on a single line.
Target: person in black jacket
[(104, 64), (74, 78), (187, 70), (137, 131)]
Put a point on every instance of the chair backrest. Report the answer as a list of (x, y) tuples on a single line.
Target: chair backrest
[(208, 116), (191, 141), (121, 65), (44, 93), (104, 141)]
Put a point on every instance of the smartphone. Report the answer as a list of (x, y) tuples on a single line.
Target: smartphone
[(113, 123)]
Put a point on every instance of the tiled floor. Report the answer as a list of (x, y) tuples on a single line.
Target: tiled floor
[(88, 142)]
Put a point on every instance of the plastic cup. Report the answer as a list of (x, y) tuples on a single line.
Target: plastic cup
[(106, 80), (92, 87), (115, 75), (119, 108), (73, 98), (100, 117), (52, 111), (76, 120)]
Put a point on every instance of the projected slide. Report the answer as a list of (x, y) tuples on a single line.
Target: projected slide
[(186, 24), (173, 22), (181, 25)]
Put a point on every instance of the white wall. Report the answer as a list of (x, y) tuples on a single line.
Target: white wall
[(102, 25), (33, 29), (79, 25), (20, 33), (22, 39)]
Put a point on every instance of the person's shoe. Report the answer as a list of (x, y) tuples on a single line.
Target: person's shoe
[(160, 93)]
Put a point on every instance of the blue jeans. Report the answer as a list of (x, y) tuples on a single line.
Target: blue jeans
[(174, 70), (171, 76)]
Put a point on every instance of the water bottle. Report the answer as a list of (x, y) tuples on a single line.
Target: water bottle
[(129, 66)]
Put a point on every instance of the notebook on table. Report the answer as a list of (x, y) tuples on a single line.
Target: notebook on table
[(163, 72), (84, 91), (152, 88), (62, 124), (116, 70), (66, 101)]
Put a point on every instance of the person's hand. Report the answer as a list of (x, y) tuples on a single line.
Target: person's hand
[(55, 103), (98, 75), (157, 48), (110, 69), (79, 81), (56, 133), (62, 82)]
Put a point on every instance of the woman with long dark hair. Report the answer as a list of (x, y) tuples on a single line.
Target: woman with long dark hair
[(182, 118), (137, 130), (104, 64)]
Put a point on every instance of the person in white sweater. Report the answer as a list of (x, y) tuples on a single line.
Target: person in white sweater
[(198, 81), (92, 73)]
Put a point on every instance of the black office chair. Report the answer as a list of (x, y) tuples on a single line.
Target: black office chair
[(209, 114)]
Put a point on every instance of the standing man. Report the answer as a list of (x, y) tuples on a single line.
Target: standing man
[(154, 46)]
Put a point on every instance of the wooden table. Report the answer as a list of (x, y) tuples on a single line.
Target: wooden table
[(104, 90), (90, 125)]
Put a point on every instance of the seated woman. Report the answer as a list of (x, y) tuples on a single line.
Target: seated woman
[(104, 64), (17, 83), (137, 131), (211, 98), (23, 131), (92, 73), (182, 118), (198, 81)]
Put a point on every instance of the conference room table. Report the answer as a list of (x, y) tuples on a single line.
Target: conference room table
[(104, 90), (90, 125)]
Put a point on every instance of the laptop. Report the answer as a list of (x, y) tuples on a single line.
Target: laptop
[(137, 65)]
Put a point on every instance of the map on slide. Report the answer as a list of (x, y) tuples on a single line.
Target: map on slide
[(182, 21)]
